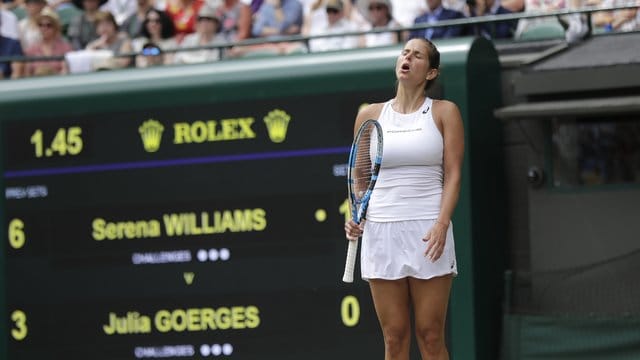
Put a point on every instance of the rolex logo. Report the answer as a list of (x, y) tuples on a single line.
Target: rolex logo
[(151, 134), (277, 122)]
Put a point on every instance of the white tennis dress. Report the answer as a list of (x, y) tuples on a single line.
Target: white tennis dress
[(406, 200)]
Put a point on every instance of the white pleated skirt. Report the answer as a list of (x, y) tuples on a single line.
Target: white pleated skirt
[(395, 250)]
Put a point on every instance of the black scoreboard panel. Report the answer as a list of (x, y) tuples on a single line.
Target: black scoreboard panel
[(212, 231)]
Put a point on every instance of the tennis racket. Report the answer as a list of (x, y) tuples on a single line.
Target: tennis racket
[(364, 165)]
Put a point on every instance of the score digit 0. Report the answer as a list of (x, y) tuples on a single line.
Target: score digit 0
[(350, 311), (65, 142), (17, 237)]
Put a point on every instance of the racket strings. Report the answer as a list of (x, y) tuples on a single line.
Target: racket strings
[(363, 165)]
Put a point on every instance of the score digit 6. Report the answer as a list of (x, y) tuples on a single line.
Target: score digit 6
[(17, 237)]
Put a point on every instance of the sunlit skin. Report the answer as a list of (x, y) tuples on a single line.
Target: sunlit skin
[(395, 300)]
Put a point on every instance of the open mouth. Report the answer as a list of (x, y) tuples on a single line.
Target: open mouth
[(405, 67)]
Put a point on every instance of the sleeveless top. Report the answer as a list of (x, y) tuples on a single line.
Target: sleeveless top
[(409, 185)]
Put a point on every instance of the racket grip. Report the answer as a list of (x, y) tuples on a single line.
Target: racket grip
[(350, 264)]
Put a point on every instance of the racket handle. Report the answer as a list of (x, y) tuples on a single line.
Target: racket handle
[(351, 261)]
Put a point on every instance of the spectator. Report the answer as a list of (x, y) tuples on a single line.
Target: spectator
[(619, 20), (236, 20), (184, 14), (379, 14), (151, 55), (120, 9), (29, 30), (10, 47), (436, 12), (110, 39), (278, 17), (335, 23), (133, 25), (82, 29), (495, 30), (9, 24), (157, 29), (207, 28), (51, 44)]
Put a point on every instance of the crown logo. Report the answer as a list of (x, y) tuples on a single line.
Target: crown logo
[(277, 122), (151, 134)]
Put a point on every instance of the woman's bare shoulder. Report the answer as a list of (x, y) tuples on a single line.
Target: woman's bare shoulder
[(370, 111), (444, 106)]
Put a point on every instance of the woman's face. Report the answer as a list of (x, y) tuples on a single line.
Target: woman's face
[(48, 28), (207, 25), (413, 62), (378, 13), (154, 26), (105, 28)]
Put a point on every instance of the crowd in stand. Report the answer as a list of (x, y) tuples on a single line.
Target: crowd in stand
[(90, 34)]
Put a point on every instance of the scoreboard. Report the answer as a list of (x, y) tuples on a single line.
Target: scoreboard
[(200, 231)]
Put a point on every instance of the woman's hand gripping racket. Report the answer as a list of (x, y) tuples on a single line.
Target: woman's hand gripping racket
[(364, 165)]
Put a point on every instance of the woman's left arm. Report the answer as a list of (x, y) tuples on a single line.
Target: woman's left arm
[(453, 133), (450, 120)]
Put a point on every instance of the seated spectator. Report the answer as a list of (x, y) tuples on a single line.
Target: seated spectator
[(120, 9), (495, 30), (206, 34), (335, 23), (157, 29), (51, 44), (619, 20), (29, 30), (10, 47), (379, 17), (278, 17), (184, 14), (236, 20), (110, 39), (82, 28), (151, 55), (436, 12), (133, 24)]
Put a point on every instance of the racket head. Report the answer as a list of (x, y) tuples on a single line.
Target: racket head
[(365, 159)]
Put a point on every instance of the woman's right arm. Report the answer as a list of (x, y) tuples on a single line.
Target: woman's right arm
[(371, 111)]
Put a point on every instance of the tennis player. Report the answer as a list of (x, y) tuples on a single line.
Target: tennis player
[(408, 255)]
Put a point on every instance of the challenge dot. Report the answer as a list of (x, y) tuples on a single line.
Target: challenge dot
[(216, 349), (321, 215), (202, 255), (213, 254), (225, 254), (227, 349), (205, 350)]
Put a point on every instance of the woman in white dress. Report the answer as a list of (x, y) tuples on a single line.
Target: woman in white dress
[(408, 253)]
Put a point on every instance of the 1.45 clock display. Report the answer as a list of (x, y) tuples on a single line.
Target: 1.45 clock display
[(66, 141)]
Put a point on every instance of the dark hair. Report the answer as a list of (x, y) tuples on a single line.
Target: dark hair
[(434, 60), (168, 29)]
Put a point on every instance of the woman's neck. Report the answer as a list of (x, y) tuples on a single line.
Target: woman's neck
[(408, 100)]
